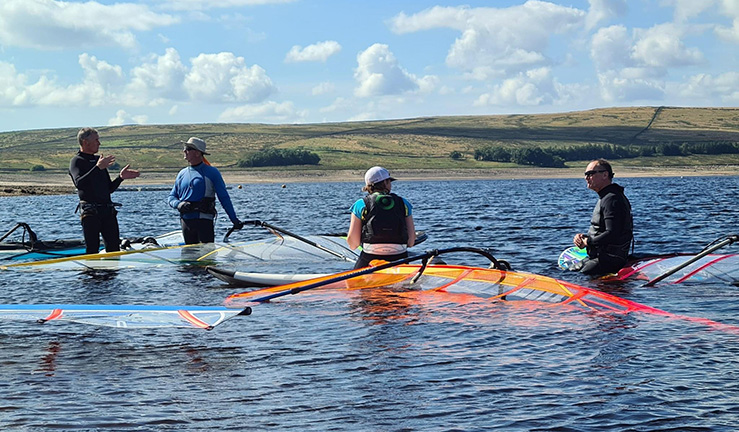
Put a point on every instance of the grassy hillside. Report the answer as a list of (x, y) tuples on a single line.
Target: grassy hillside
[(398, 144)]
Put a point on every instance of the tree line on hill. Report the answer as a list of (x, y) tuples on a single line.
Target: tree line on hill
[(279, 157), (555, 157)]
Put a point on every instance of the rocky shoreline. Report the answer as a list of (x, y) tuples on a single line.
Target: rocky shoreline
[(18, 184)]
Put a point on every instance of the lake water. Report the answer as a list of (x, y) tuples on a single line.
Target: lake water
[(377, 360)]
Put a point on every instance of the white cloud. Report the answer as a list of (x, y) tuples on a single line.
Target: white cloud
[(223, 77), (635, 67), (730, 34), (364, 116), (213, 78), (271, 111), (323, 88), (706, 87), (532, 88), (615, 88), (99, 73), (13, 86), (730, 8), (662, 46), (506, 40), (338, 104), (51, 24), (436, 17), (100, 78), (158, 80), (320, 51), (122, 118), (686, 9), (378, 73), (428, 84), (603, 10), (610, 48), (658, 47)]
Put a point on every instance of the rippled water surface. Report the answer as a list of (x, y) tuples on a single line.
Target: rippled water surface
[(380, 359)]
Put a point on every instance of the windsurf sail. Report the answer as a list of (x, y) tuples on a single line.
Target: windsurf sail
[(29, 248), (708, 268), (125, 316), (26, 245), (498, 283), (169, 251), (494, 284), (705, 266), (276, 230)]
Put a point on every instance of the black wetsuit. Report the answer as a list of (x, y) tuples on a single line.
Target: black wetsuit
[(97, 211), (611, 232)]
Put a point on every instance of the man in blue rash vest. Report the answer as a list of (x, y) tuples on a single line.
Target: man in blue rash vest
[(611, 230), (381, 221), (90, 175), (194, 195)]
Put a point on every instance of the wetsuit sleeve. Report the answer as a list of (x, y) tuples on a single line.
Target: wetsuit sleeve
[(174, 194), (115, 183), (85, 173), (81, 172), (220, 187), (614, 219)]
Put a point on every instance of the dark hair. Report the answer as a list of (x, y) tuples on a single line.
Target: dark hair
[(377, 187), (84, 133), (605, 164)]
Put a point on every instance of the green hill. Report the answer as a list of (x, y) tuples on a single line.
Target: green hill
[(421, 143)]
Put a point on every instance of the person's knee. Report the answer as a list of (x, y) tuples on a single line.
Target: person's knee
[(591, 267)]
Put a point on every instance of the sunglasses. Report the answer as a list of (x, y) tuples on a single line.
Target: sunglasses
[(591, 173)]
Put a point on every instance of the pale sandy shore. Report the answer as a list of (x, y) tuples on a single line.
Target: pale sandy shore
[(58, 184)]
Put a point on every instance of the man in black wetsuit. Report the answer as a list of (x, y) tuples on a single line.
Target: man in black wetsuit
[(89, 173), (611, 230)]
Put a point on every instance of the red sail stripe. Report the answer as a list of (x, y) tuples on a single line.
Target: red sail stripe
[(459, 278), (637, 269), (192, 320), (710, 263), (56, 313)]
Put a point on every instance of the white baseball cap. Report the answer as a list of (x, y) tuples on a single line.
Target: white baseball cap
[(376, 175)]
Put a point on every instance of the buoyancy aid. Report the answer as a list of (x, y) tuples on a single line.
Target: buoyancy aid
[(383, 219)]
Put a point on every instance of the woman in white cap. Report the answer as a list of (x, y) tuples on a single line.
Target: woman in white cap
[(381, 222)]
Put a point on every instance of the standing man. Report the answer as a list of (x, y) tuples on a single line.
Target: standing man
[(194, 195), (94, 186), (611, 230)]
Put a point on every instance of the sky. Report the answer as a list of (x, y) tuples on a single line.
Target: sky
[(106, 63)]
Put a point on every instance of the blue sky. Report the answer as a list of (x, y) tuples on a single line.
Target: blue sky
[(103, 63)]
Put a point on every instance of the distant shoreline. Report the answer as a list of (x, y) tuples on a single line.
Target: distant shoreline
[(18, 184)]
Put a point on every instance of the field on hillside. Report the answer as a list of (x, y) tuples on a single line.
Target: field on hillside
[(422, 143)]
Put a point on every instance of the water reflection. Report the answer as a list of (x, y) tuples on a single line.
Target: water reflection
[(48, 360), (384, 304), (94, 276)]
